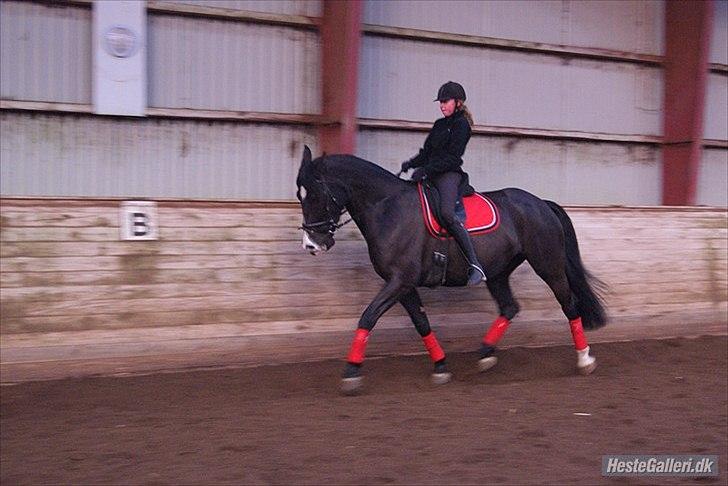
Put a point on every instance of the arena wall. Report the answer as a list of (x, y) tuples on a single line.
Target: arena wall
[(567, 90), (568, 101), (228, 283)]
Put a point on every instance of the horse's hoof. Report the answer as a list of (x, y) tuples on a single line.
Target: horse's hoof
[(487, 363), (441, 378), (584, 363), (588, 369), (352, 386)]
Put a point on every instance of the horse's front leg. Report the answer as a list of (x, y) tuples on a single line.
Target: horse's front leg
[(352, 380), (413, 305)]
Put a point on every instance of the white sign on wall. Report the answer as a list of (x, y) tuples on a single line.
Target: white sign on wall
[(138, 220), (120, 60)]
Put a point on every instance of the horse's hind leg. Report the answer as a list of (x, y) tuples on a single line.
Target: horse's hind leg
[(559, 284), (413, 305), (500, 289)]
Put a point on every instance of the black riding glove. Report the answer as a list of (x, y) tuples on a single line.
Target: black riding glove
[(419, 174), (406, 166)]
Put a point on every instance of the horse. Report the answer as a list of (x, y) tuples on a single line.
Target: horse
[(386, 209)]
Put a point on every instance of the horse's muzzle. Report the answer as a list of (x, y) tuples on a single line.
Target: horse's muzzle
[(314, 251), (312, 247)]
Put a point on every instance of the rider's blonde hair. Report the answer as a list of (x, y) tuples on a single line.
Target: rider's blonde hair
[(460, 105)]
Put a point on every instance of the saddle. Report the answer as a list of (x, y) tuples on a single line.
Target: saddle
[(477, 212)]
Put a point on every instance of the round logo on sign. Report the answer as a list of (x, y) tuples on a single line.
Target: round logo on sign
[(120, 41)]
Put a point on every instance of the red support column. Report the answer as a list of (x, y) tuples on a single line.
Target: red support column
[(688, 25), (340, 40)]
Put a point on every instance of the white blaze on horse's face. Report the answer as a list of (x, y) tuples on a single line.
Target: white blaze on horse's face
[(314, 205), (310, 245)]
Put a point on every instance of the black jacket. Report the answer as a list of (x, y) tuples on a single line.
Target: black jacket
[(444, 146)]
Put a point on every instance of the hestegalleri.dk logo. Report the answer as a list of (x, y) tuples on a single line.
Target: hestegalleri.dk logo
[(659, 465)]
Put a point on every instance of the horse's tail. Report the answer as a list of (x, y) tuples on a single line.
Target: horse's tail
[(588, 301)]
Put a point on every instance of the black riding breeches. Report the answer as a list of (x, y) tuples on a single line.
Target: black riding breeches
[(448, 185)]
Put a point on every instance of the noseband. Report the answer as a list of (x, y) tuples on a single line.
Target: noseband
[(328, 226)]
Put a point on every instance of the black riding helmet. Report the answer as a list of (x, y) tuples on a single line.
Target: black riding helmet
[(450, 91)]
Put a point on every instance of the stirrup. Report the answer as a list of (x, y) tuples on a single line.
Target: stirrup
[(476, 268)]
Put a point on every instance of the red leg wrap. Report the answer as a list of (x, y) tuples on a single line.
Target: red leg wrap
[(356, 353), (577, 332), (433, 347), (496, 331)]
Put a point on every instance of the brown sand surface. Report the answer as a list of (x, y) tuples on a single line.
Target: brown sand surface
[(530, 420)]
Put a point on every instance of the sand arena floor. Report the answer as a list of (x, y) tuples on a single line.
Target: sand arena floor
[(530, 420)]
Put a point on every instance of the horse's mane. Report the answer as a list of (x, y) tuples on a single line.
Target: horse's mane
[(354, 165)]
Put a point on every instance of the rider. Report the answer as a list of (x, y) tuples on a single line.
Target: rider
[(440, 160)]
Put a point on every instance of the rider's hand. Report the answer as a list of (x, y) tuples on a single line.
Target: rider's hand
[(418, 174), (406, 166)]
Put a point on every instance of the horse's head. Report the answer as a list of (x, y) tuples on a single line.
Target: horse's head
[(321, 204)]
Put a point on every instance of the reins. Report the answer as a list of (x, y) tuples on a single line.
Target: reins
[(330, 226)]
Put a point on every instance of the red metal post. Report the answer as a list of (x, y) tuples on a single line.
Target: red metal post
[(340, 40), (688, 25)]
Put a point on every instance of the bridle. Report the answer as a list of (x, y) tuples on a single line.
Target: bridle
[(327, 226)]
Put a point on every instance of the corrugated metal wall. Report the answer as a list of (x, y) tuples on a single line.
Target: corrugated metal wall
[(716, 107), (310, 8), (719, 37), (195, 63), (713, 177), (626, 25), (75, 155), (716, 116), (45, 52), (223, 65), (201, 63), (528, 90), (712, 187), (400, 78)]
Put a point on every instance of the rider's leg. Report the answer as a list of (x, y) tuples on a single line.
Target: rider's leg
[(447, 185)]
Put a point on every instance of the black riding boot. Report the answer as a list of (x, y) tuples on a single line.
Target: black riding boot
[(475, 272)]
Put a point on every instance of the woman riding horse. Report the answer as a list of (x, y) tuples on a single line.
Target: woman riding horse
[(440, 161)]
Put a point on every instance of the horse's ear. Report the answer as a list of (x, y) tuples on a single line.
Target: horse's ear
[(306, 156), (317, 165)]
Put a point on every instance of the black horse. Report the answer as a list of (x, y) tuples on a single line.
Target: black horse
[(387, 211)]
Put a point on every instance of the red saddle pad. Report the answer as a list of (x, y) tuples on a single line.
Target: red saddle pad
[(481, 215)]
